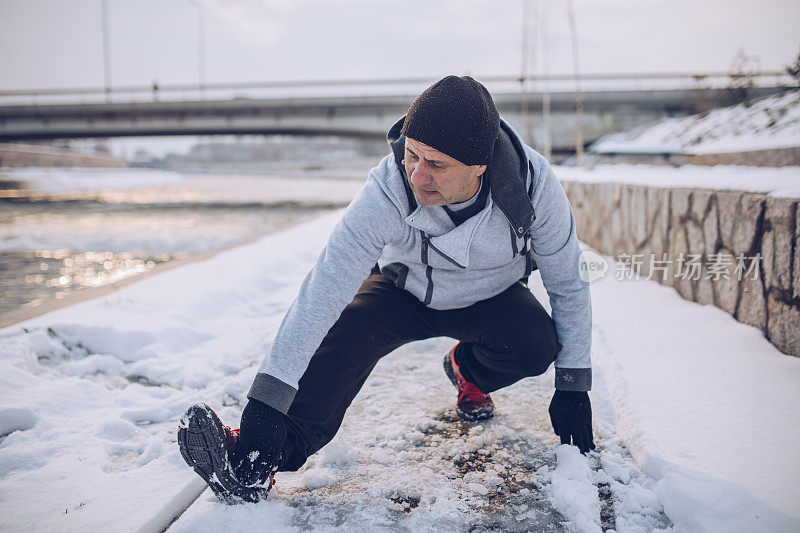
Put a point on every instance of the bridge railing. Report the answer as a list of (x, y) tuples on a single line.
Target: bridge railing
[(401, 87)]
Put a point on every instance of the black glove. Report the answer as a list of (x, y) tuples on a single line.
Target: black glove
[(571, 416), (261, 437)]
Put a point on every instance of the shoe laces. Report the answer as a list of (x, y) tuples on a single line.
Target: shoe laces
[(469, 392)]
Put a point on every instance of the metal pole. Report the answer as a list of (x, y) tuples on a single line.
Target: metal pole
[(524, 69), (525, 39), (201, 46), (201, 16), (106, 54), (534, 59), (548, 138), (578, 95)]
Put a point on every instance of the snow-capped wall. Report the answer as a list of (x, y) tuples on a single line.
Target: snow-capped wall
[(775, 157), (739, 251)]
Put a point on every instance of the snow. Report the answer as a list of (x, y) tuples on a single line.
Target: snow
[(695, 417), (704, 404), (781, 182), (771, 122), (574, 492)]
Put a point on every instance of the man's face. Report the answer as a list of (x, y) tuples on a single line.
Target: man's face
[(438, 179)]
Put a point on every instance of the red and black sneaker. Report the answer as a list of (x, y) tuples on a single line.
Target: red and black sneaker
[(472, 404), (205, 443)]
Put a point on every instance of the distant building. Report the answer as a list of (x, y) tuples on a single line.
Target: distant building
[(36, 155)]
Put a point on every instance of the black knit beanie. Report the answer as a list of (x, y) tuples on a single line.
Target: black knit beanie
[(457, 116)]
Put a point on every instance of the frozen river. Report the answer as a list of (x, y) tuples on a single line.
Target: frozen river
[(62, 231)]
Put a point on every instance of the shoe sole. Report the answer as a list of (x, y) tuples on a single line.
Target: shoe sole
[(468, 416), (201, 440), (448, 369)]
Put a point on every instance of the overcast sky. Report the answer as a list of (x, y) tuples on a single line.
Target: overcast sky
[(58, 43)]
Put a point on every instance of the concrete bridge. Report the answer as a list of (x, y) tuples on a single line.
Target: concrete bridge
[(367, 107)]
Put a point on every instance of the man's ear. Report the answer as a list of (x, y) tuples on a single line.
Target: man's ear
[(480, 169)]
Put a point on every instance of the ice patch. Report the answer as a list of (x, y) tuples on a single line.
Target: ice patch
[(478, 488), (148, 415), (15, 419), (105, 339), (45, 347), (337, 452), (117, 430), (96, 364), (154, 450), (316, 478)]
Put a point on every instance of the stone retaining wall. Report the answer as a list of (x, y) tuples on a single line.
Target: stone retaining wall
[(682, 237)]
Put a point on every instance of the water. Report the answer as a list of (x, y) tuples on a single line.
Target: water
[(63, 234)]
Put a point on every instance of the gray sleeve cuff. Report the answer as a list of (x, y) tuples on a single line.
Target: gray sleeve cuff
[(273, 392), (574, 379)]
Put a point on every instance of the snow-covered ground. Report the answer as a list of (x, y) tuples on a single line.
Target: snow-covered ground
[(783, 182), (695, 418), (771, 122)]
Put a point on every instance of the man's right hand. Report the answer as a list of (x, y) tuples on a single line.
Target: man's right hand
[(571, 416), (261, 437)]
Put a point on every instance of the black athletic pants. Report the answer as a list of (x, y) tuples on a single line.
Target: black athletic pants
[(503, 339)]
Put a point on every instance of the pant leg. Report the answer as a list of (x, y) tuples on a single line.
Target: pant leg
[(380, 318), (503, 339)]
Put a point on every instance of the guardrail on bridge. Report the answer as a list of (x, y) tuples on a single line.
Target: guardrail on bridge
[(392, 87)]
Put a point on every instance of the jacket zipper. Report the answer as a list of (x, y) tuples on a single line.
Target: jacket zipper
[(428, 269), (438, 251), (514, 250)]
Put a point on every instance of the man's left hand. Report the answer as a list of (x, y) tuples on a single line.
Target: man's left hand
[(571, 416)]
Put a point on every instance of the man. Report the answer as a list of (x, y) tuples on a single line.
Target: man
[(439, 242)]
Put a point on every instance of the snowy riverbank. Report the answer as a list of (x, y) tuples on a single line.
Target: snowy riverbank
[(764, 124), (694, 417)]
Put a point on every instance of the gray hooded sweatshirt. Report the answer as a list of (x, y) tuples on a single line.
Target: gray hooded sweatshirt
[(527, 222)]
